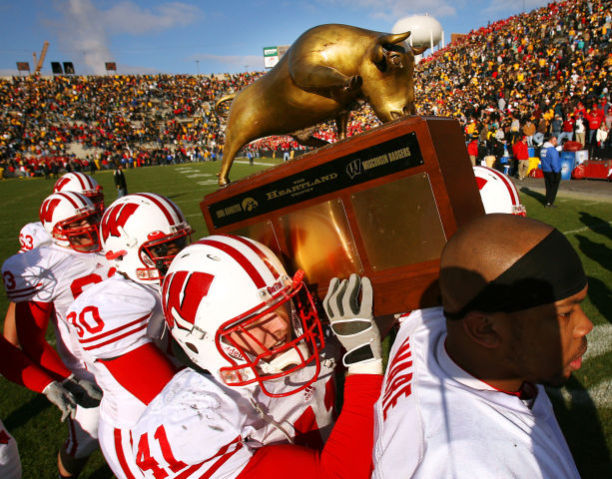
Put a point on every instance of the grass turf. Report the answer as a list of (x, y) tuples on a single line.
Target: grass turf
[(583, 407)]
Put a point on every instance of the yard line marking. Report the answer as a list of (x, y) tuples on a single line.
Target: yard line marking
[(207, 183), (600, 341), (198, 175), (599, 395), (585, 228)]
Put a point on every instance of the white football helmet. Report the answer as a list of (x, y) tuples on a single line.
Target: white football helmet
[(72, 220), (32, 235), (498, 193), (141, 234), (231, 306), (84, 184)]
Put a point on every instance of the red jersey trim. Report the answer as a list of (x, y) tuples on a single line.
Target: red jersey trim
[(116, 338), (121, 455), (116, 330)]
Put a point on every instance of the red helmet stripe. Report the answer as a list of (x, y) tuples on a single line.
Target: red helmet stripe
[(60, 183), (175, 208), (89, 181), (160, 205), (68, 197), (258, 252), (239, 258), (79, 177), (509, 186)]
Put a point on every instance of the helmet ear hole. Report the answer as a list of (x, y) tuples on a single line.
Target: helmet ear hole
[(192, 347)]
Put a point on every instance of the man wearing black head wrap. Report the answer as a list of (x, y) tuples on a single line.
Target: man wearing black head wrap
[(462, 395)]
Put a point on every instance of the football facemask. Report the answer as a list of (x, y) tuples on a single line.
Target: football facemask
[(259, 349), (81, 232), (159, 253)]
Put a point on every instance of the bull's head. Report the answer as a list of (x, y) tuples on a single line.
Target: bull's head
[(387, 73)]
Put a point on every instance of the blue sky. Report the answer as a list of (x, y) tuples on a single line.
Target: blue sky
[(191, 36)]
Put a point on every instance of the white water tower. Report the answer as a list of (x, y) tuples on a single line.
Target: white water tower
[(426, 31)]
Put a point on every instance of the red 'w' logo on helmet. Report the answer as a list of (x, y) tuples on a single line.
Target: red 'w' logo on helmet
[(59, 184), (182, 294), (47, 209), (115, 217)]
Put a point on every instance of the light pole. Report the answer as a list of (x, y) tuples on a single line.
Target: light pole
[(198, 66)]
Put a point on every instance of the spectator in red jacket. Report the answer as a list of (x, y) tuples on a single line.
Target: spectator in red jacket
[(594, 119), (472, 149), (521, 154), (567, 130)]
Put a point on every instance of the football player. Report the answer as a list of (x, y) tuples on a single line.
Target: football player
[(34, 234), (31, 236), (261, 385), (118, 320), (84, 184), (43, 282), (463, 395)]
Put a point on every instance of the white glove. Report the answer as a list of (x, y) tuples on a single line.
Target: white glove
[(62, 398), (353, 323), (86, 393)]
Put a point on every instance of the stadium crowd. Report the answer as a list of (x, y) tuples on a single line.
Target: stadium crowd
[(535, 74)]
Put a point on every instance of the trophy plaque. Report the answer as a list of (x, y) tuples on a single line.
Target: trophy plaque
[(381, 204)]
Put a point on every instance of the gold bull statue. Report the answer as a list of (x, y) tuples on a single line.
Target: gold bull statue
[(323, 75)]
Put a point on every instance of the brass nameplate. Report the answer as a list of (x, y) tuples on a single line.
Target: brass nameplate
[(374, 162)]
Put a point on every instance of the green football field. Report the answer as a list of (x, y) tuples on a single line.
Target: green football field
[(583, 406)]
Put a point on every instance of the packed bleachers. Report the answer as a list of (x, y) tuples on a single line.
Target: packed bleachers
[(534, 74), (542, 72)]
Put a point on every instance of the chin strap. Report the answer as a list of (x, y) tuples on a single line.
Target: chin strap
[(294, 356), (270, 420)]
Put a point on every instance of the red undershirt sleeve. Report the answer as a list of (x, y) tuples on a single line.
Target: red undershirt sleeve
[(144, 371), (17, 367), (348, 451), (32, 318)]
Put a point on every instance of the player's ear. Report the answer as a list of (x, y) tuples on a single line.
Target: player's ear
[(482, 329)]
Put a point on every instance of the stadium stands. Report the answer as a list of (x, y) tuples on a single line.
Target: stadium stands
[(549, 67)]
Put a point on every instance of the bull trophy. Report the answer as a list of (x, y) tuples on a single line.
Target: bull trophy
[(324, 75)]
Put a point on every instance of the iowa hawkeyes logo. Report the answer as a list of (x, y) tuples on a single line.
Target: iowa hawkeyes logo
[(249, 204)]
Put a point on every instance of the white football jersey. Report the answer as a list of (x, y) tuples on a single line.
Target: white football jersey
[(109, 320), (32, 235), (197, 426), (52, 274), (10, 465), (433, 419)]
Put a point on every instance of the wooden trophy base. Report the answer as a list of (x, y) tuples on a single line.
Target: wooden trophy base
[(381, 204)]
